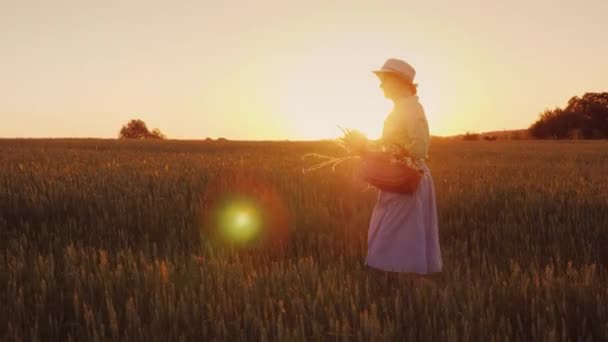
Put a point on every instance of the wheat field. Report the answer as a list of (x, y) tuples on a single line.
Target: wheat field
[(123, 240)]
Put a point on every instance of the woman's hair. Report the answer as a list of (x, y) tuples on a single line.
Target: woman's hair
[(413, 87)]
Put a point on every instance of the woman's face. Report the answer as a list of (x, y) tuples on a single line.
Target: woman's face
[(391, 85)]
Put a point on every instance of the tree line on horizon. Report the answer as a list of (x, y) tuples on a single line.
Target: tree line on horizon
[(583, 117)]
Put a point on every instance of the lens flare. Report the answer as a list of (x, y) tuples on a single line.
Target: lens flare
[(240, 222), (242, 219), (243, 208)]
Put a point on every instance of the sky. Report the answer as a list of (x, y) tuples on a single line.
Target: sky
[(298, 70)]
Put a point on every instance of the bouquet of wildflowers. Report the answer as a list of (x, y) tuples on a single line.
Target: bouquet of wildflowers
[(353, 142), (388, 168)]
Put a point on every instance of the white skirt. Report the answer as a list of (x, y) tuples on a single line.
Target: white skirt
[(403, 233)]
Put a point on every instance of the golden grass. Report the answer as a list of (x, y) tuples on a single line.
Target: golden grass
[(111, 240)]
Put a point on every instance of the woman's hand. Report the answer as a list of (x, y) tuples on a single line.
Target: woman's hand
[(355, 142)]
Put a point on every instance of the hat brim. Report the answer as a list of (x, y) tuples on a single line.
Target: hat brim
[(383, 72), (380, 73)]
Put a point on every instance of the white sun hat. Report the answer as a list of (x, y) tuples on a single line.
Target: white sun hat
[(398, 67)]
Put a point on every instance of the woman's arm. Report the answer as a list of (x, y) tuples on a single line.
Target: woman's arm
[(418, 132), (406, 133)]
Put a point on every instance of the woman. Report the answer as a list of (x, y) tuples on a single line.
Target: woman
[(403, 234)]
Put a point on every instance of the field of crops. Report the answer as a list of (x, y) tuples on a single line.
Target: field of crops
[(230, 241)]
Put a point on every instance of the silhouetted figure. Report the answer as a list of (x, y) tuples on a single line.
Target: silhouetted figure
[(403, 233)]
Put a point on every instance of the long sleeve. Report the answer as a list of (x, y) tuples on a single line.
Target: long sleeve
[(418, 132), (407, 128)]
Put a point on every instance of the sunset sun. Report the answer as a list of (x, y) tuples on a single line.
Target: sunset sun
[(329, 86)]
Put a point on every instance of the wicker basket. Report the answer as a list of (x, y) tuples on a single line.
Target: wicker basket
[(382, 171)]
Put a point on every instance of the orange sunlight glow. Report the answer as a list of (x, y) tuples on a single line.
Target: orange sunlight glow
[(330, 87)]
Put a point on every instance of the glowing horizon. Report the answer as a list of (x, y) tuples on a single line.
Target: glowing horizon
[(274, 71)]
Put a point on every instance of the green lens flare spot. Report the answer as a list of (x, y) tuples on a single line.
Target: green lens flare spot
[(240, 222)]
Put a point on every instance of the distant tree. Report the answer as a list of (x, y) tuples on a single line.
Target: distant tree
[(584, 117), (137, 129), (157, 134), (490, 137), (470, 136), (515, 136)]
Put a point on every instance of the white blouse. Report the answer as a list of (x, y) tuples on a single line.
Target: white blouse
[(407, 127)]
